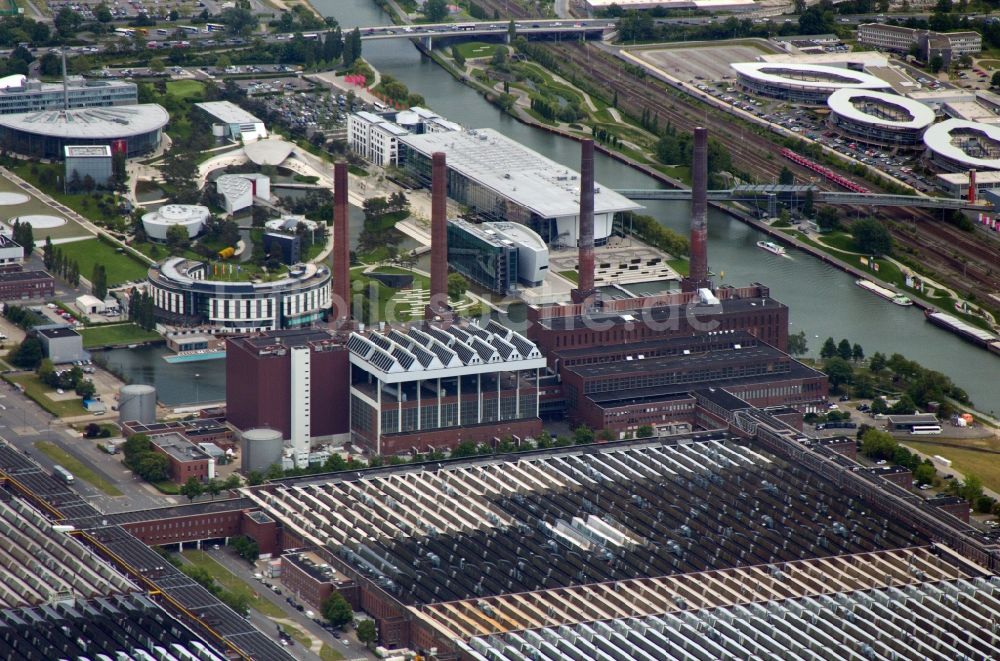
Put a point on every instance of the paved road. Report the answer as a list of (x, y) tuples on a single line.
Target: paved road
[(351, 650)]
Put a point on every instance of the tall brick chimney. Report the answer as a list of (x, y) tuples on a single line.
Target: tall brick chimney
[(438, 305), (341, 246), (698, 270), (585, 285)]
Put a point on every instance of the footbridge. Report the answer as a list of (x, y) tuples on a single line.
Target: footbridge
[(797, 194), (578, 27)]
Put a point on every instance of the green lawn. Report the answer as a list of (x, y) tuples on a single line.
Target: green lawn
[(99, 336), (474, 49), (185, 89), (682, 266), (121, 266), (233, 583), (98, 206), (983, 465), (76, 467), (38, 392), (570, 275)]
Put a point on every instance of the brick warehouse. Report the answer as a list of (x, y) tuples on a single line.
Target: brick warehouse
[(259, 382)]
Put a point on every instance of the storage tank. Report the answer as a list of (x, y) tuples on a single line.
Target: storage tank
[(261, 449), (219, 130), (137, 402)]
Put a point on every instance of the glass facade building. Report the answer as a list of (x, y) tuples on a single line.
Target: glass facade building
[(488, 261)]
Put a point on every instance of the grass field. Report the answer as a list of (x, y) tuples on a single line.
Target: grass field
[(85, 204), (232, 583), (118, 334), (35, 206), (39, 392), (474, 49), (983, 465), (121, 267), (185, 89), (76, 467), (682, 266), (571, 275)]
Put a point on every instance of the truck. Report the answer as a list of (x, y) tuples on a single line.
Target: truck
[(61, 473)]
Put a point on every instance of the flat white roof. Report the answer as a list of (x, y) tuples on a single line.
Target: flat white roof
[(863, 58), (939, 140), (87, 151), (268, 152), (520, 234), (962, 178), (843, 103), (515, 172), (228, 112), (108, 123), (781, 73)]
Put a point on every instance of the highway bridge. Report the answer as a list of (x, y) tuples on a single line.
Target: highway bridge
[(576, 27), (797, 194)]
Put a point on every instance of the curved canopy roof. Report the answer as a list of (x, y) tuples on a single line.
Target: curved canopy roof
[(845, 102), (961, 141), (813, 76)]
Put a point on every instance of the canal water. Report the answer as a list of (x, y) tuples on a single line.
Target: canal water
[(823, 301)]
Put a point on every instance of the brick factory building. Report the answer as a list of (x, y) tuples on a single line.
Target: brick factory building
[(271, 375)]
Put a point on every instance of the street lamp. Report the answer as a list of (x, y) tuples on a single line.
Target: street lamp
[(196, 377)]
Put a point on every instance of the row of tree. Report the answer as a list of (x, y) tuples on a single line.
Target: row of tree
[(57, 262), (70, 379), (141, 310), (194, 488), (651, 231)]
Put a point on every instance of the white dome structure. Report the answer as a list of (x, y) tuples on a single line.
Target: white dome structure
[(192, 217)]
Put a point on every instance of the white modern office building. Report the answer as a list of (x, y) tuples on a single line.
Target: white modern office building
[(877, 118), (809, 84), (502, 180), (192, 217), (184, 294), (957, 145), (19, 94), (239, 190), (375, 137), (232, 122), (497, 256)]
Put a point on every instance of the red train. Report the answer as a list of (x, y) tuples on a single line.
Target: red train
[(825, 172)]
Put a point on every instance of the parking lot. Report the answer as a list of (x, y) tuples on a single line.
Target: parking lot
[(703, 62)]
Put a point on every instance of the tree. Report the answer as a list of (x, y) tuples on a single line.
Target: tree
[(829, 349), (827, 219), (103, 14), (786, 178), (879, 406), (436, 10), (844, 349), (876, 444), (644, 431), (971, 489), (177, 237), (583, 434), (67, 21), (925, 473), (936, 63), (213, 488), (48, 254), (337, 610), (152, 467), (838, 370), (456, 54), (809, 204), (27, 354), (366, 632), (232, 482), (246, 548), (86, 389), (903, 406), (99, 281), (871, 237), (797, 344), (238, 20), (457, 286), (877, 362), (192, 488), (857, 353)]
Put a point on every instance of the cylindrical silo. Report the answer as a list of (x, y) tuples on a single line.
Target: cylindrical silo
[(137, 402), (261, 449)]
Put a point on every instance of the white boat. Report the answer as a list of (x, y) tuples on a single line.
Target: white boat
[(887, 294), (770, 246)]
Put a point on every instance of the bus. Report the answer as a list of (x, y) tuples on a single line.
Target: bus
[(310, 36), (161, 31), (925, 430), (124, 32), (61, 473), (214, 27), (189, 28)]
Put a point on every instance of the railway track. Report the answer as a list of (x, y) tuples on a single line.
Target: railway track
[(966, 261)]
